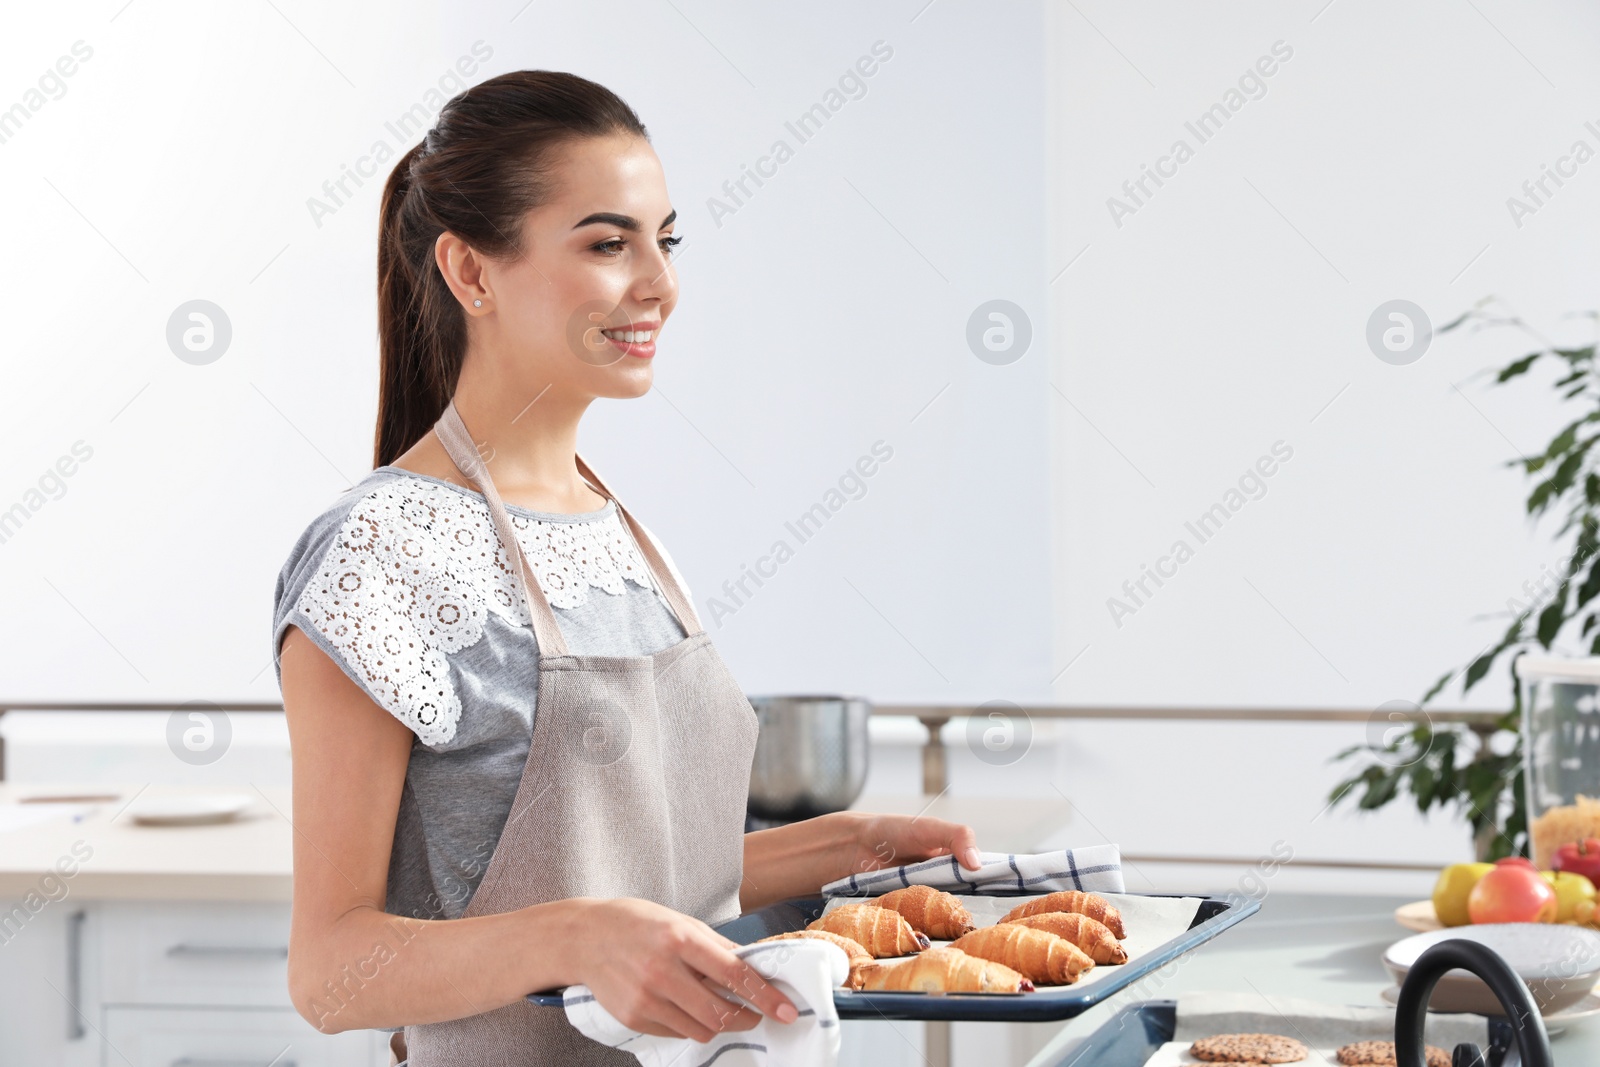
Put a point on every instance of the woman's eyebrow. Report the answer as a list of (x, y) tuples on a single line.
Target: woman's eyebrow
[(624, 222)]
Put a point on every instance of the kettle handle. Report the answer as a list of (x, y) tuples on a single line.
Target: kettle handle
[(1411, 1011)]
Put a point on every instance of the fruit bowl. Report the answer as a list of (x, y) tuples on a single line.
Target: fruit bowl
[(1560, 964)]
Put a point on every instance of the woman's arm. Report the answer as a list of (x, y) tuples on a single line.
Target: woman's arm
[(798, 859), (351, 966)]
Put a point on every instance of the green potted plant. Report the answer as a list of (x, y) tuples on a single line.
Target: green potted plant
[(1476, 769)]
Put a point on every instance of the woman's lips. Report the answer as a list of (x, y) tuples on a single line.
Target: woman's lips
[(637, 349)]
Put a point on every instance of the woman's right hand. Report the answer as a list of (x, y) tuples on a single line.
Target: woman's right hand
[(657, 971)]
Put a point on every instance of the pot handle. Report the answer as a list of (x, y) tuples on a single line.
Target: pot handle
[(1527, 1025)]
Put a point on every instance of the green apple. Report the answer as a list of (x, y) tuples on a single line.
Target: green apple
[(1571, 890)]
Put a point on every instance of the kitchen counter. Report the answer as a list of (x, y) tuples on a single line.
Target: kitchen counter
[(1322, 947), (247, 859)]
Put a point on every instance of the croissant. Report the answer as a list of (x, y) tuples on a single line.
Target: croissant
[(1036, 954), (878, 930), (1091, 904), (1090, 936), (929, 911), (859, 957), (945, 970)]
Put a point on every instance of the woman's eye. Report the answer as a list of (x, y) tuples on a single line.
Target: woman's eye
[(669, 243)]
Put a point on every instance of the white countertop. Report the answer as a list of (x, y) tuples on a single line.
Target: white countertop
[(247, 859)]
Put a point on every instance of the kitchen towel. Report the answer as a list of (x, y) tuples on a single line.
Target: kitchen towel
[(1097, 868), (806, 971)]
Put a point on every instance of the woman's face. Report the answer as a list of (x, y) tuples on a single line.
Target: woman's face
[(596, 261)]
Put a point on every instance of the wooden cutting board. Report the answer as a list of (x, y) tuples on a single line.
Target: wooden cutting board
[(1419, 916)]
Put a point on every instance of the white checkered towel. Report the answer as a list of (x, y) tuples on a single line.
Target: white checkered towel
[(805, 970), (1097, 868)]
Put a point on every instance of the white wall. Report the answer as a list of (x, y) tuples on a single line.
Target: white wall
[(1229, 310), (826, 314)]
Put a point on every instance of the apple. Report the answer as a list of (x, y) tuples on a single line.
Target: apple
[(1450, 891), (1580, 857), (1513, 892), (1571, 890)]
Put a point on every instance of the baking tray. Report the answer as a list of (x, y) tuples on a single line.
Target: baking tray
[(1046, 1004), (1131, 1036)]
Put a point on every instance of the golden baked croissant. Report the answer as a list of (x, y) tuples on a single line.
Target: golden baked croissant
[(929, 911), (944, 970), (1035, 954), (1090, 936), (1073, 900), (859, 957), (878, 930)]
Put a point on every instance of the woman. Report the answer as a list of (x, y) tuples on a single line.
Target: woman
[(519, 762)]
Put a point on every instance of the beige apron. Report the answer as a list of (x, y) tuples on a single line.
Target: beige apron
[(636, 783)]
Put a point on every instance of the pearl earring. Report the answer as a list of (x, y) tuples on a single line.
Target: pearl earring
[(477, 303)]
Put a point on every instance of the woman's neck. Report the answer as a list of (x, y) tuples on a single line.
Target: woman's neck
[(527, 438)]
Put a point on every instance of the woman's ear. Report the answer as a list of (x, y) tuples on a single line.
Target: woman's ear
[(464, 272)]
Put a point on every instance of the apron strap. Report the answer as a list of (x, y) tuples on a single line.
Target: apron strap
[(452, 433), (677, 598), (457, 441)]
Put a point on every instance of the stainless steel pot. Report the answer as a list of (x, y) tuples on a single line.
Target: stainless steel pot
[(811, 755)]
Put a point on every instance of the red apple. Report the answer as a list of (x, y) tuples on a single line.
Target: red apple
[(1514, 892), (1580, 857)]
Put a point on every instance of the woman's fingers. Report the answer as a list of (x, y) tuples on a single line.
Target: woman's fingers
[(713, 1011), (728, 970), (939, 837), (964, 846), (735, 1016), (678, 1022)]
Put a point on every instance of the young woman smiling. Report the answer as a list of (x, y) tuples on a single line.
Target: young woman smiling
[(519, 761)]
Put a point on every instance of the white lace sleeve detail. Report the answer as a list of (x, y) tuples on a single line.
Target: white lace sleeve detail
[(414, 572)]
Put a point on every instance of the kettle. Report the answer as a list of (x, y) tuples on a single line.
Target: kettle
[(1411, 1009)]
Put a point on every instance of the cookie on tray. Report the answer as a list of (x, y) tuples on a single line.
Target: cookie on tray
[(1382, 1054), (1249, 1048)]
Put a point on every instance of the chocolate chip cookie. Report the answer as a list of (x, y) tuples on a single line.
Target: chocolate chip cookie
[(1382, 1054), (1248, 1048)]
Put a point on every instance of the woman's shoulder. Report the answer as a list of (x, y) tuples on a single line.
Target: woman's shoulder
[(375, 493), (354, 581)]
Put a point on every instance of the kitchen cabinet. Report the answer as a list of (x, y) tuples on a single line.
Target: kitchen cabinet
[(112, 983), (166, 1037)]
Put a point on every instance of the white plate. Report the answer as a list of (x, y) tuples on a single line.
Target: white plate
[(192, 810), (1560, 964), (1554, 1022)]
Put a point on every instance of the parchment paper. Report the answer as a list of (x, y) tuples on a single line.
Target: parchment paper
[(1322, 1027), (1148, 922)]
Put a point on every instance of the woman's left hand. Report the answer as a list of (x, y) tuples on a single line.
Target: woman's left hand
[(890, 840)]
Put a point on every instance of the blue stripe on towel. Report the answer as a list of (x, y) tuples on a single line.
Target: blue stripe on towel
[(729, 1048)]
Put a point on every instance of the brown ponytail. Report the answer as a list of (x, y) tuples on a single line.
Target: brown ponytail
[(481, 168)]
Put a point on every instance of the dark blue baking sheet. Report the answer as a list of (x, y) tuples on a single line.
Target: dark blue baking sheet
[(1046, 1004)]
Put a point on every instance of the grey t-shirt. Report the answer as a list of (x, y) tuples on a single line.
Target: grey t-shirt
[(404, 584)]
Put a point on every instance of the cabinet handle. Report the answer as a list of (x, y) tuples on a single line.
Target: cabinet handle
[(206, 951), (190, 1061), (75, 1027)]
